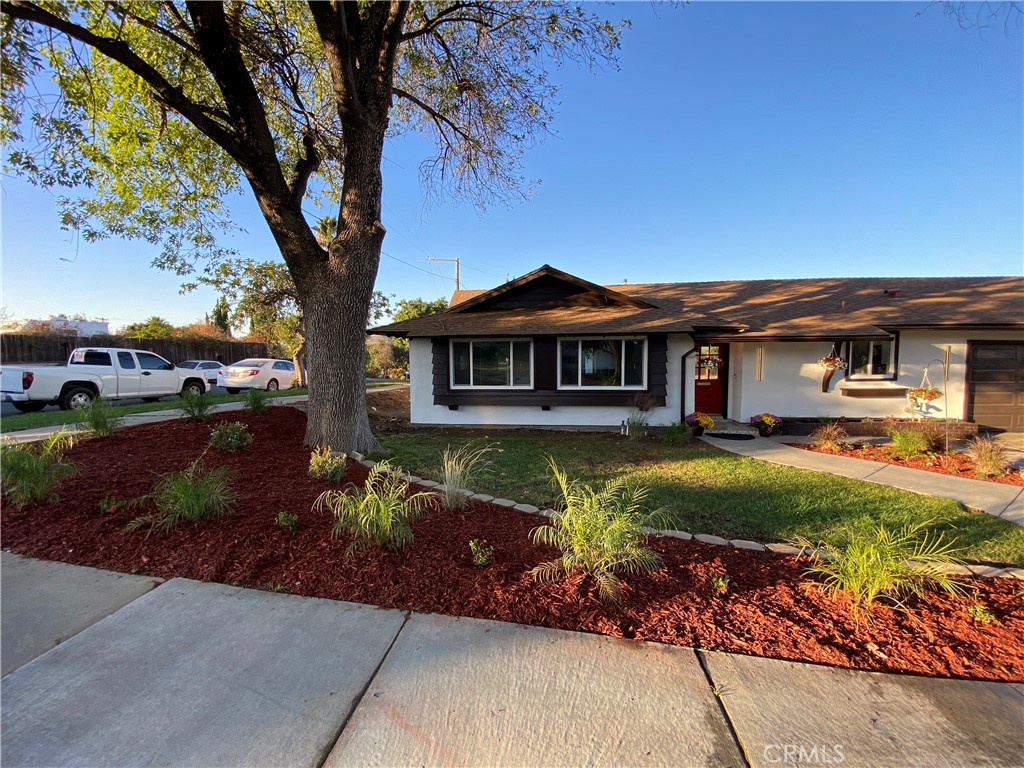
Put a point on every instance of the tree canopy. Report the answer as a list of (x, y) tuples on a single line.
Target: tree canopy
[(407, 309), (165, 108)]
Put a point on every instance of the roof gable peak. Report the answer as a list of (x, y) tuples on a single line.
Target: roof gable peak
[(548, 287)]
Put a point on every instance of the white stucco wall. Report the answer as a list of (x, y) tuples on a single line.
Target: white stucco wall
[(791, 384), (423, 410)]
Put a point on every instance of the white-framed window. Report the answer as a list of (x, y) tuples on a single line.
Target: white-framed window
[(872, 359), (491, 364), (603, 363)]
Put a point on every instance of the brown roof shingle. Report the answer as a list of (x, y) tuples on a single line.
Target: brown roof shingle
[(800, 308)]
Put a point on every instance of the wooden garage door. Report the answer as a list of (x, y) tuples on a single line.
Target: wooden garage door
[(996, 385)]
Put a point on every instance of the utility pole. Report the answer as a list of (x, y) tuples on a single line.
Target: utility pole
[(431, 258)]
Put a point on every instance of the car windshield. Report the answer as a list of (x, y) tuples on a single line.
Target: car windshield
[(249, 364), (188, 364)]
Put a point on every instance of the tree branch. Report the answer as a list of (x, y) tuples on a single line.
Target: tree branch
[(430, 25), (333, 27), (304, 168), (164, 92), (437, 116)]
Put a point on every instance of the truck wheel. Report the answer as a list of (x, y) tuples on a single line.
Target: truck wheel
[(77, 397), (232, 390), (272, 385), (29, 407), (192, 388)]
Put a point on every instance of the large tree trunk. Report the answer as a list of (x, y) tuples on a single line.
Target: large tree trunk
[(335, 356)]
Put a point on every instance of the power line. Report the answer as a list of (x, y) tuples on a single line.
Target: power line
[(421, 269)]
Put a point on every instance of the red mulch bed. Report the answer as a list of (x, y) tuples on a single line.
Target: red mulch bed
[(953, 463), (767, 611)]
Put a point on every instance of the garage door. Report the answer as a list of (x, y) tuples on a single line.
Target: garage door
[(996, 385)]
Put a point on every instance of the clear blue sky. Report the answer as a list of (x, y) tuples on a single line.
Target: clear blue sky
[(738, 140)]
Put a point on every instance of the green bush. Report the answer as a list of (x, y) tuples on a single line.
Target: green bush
[(256, 400), (677, 433), (600, 533), (887, 564), (230, 436), (99, 418), (187, 496), (829, 437), (286, 520), (907, 443), (28, 471), (325, 464), (990, 457), (461, 469), (380, 513), (482, 552), (197, 406)]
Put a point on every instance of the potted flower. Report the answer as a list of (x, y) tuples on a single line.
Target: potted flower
[(832, 363), (699, 422), (923, 394), (766, 424)]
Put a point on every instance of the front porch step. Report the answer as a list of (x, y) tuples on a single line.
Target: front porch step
[(729, 427)]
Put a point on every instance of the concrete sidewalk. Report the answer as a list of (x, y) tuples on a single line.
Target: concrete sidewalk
[(198, 674), (999, 500)]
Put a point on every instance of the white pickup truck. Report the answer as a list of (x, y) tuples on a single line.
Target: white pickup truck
[(111, 374)]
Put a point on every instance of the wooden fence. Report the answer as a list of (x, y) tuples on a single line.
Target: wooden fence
[(56, 348)]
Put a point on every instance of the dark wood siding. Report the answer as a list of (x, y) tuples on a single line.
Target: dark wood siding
[(545, 374), (545, 292)]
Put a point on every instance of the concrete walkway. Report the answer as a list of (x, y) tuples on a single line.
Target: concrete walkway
[(1003, 501), (197, 674)]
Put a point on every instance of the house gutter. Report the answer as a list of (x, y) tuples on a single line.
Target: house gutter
[(682, 381)]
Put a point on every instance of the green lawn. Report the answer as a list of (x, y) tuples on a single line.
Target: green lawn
[(706, 490)]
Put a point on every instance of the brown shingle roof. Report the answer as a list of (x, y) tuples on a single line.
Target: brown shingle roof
[(803, 308)]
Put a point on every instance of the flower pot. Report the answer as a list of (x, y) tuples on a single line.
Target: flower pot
[(763, 431), (697, 430)]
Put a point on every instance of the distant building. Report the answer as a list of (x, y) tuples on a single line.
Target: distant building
[(57, 324)]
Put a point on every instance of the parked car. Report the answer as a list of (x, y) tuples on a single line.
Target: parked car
[(209, 367), (258, 372), (104, 372)]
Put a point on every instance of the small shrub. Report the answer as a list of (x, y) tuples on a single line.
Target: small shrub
[(766, 423), (829, 437), (637, 424), (197, 406), (980, 614), (483, 553), (187, 496), (677, 433), (907, 443), (230, 436), (256, 400), (461, 469), (600, 533), (380, 513), (721, 584), (325, 464), (28, 471), (99, 418), (989, 456), (286, 520), (887, 564), (110, 505)]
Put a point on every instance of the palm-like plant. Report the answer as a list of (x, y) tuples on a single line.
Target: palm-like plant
[(600, 533), (380, 513), (186, 497), (29, 471), (888, 564)]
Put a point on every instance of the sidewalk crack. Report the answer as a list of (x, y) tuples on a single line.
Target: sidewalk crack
[(721, 706), (361, 695)]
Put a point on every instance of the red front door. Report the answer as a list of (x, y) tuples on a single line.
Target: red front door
[(710, 377)]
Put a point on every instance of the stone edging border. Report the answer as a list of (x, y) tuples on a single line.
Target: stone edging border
[(980, 571)]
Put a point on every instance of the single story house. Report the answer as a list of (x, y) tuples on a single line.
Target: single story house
[(550, 348)]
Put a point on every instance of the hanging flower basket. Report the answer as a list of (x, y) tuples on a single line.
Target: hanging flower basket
[(923, 394), (832, 363)]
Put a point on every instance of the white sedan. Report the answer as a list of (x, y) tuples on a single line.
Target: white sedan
[(258, 372), (208, 367)]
